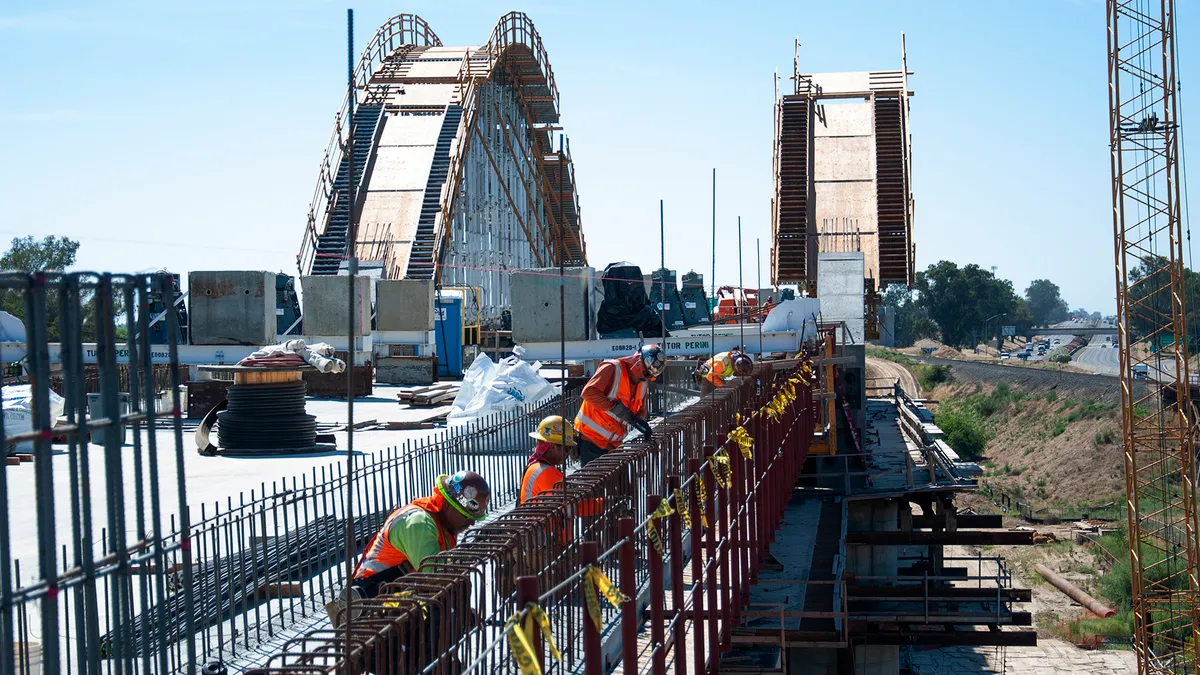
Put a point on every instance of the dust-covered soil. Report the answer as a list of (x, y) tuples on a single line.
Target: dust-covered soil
[(882, 369)]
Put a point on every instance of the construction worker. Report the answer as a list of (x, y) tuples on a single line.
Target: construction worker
[(712, 374), (553, 436), (615, 400), (420, 529)]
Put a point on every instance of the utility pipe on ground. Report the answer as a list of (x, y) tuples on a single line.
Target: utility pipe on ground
[(1075, 593)]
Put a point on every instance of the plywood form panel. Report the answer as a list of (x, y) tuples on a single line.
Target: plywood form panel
[(846, 118), (843, 158), (844, 208), (432, 95), (410, 130), (401, 168)]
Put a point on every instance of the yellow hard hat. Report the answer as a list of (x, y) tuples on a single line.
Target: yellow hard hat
[(550, 430)]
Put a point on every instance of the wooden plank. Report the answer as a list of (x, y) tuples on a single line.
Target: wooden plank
[(978, 521), (915, 592), (959, 538), (404, 426), (267, 377), (965, 638), (357, 425), (12, 461)]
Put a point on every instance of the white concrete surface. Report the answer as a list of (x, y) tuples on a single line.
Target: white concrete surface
[(209, 479)]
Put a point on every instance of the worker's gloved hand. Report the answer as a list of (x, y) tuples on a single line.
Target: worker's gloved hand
[(644, 427), (622, 413)]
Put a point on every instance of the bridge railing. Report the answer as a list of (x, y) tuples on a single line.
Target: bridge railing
[(397, 32), (458, 610)]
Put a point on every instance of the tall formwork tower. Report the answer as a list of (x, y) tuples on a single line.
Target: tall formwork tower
[(1158, 420), (843, 166), (451, 159)]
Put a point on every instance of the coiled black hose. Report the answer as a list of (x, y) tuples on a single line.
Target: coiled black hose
[(266, 417)]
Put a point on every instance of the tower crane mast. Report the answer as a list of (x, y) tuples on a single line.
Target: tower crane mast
[(1158, 419)]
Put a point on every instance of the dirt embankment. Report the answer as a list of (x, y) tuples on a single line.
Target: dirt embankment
[(1055, 437), (882, 369)]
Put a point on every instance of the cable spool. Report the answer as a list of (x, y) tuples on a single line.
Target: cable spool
[(267, 417)]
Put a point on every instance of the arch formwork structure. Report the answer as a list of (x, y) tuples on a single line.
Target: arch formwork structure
[(458, 176)]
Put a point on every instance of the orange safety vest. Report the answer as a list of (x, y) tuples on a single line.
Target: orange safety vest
[(719, 368), (601, 426), (381, 555), (539, 477)]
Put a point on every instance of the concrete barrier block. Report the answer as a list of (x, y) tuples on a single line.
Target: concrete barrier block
[(405, 370), (404, 305), (326, 306), (231, 307), (535, 313)]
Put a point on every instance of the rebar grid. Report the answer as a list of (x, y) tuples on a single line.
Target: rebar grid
[(452, 615)]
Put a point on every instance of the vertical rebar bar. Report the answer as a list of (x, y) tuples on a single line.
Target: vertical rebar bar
[(758, 286), (352, 255)]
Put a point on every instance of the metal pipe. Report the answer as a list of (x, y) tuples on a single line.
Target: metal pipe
[(1074, 592)]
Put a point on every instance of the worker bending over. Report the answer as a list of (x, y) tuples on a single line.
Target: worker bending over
[(712, 374), (615, 400), (553, 436), (423, 528)]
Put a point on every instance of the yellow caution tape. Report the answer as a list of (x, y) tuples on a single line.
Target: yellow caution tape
[(683, 509), (522, 651), (596, 580), (744, 441), (407, 595), (520, 639), (538, 616), (719, 465), (664, 509), (701, 498)]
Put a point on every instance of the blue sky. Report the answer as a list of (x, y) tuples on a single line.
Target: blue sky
[(187, 135)]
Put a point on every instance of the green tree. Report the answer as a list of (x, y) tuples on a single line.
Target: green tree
[(912, 319), (1045, 303), (961, 300), (27, 254), (57, 254), (1150, 304)]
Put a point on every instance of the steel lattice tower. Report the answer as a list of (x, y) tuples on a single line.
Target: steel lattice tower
[(1158, 420)]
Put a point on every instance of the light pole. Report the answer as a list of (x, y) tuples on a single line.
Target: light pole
[(999, 344)]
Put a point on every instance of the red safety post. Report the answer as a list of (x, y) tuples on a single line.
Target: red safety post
[(697, 569), (527, 592), (658, 664), (726, 600), (710, 547), (593, 659), (753, 511), (735, 534), (628, 584), (675, 525)]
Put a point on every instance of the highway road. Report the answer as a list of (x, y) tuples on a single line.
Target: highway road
[(1064, 338), (1099, 356)]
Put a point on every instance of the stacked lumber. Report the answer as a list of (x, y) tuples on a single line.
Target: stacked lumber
[(442, 393)]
